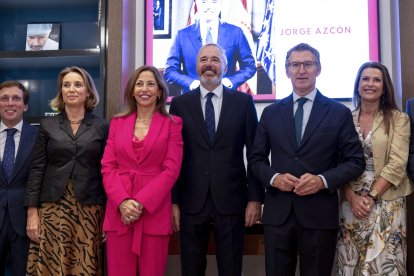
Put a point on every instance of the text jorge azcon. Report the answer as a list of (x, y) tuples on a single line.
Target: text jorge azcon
[(317, 31)]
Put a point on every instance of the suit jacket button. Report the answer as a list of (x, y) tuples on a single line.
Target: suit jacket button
[(296, 158), (207, 172)]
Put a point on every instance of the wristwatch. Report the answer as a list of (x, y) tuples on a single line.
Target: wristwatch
[(374, 195)]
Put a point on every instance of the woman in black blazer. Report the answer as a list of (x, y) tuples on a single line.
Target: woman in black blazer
[(64, 193)]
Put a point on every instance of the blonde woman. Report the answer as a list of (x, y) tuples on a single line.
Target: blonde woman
[(64, 193)]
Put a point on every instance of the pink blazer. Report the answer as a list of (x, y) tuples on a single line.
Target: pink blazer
[(149, 179)]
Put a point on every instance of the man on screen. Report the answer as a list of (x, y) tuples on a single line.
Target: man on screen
[(38, 38), (180, 68)]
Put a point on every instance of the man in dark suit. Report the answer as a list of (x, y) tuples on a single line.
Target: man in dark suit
[(310, 159), (15, 164), (181, 63), (213, 189), (410, 165)]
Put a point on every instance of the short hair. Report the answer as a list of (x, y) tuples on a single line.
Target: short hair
[(301, 47), (387, 101), (91, 102), (26, 94), (130, 103), (39, 29), (220, 49)]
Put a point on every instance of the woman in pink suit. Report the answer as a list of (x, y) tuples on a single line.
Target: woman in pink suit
[(141, 163)]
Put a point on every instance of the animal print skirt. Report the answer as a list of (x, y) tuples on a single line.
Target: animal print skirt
[(70, 238)]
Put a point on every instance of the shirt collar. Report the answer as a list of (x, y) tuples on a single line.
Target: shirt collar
[(310, 96), (218, 91), (214, 25), (19, 126)]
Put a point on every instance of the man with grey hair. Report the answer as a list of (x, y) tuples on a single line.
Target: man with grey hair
[(38, 38), (214, 190), (314, 150)]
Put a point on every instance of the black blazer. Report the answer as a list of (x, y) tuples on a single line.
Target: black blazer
[(12, 193), (59, 156), (330, 146), (218, 167)]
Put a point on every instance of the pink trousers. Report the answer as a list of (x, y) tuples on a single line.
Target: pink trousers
[(123, 262)]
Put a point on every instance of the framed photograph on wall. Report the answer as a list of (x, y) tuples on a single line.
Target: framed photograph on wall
[(42, 36), (161, 12)]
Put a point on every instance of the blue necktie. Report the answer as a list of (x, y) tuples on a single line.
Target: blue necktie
[(209, 37), (299, 119), (8, 155), (209, 117)]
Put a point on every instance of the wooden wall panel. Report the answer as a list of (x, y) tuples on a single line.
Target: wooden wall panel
[(406, 12)]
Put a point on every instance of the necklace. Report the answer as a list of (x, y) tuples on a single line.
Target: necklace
[(75, 122), (144, 119)]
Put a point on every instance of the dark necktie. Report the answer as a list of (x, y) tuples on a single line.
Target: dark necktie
[(209, 117), (209, 37), (299, 119), (8, 155)]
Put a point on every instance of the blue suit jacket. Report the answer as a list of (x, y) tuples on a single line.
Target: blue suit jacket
[(187, 44), (12, 194), (330, 146)]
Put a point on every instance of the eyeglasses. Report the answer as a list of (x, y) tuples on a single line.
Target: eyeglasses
[(307, 65)]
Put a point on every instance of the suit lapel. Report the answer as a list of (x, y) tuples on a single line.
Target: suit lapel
[(126, 134), (194, 107), (27, 139), (85, 125), (223, 36), (287, 119), (196, 34), (153, 132), (64, 125), (226, 113), (318, 112), (379, 117)]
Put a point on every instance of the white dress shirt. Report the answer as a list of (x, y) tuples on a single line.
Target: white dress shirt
[(217, 101), (3, 137)]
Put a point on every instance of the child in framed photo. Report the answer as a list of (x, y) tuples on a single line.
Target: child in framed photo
[(42, 37)]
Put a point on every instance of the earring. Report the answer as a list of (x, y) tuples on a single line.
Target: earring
[(158, 97)]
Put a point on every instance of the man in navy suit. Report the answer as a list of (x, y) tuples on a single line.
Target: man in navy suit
[(213, 189), (314, 150), (181, 63), (410, 165), (14, 243)]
